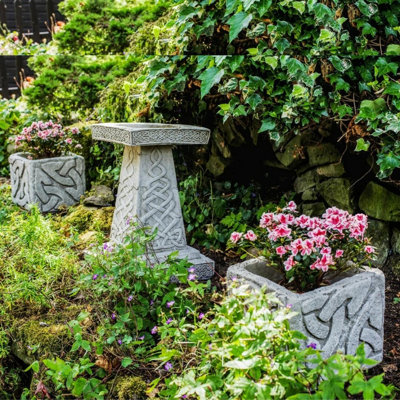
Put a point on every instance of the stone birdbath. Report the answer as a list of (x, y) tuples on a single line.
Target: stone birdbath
[(148, 188)]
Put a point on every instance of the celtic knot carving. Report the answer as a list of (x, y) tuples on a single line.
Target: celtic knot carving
[(161, 209), (150, 134), (353, 312), (20, 178), (49, 183), (338, 317), (125, 205)]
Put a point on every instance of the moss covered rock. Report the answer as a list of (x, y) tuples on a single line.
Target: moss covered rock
[(131, 388), (314, 209), (321, 154), (336, 192), (36, 338), (306, 181), (83, 219), (378, 202), (379, 233)]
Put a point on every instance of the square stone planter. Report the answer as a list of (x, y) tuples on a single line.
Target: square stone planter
[(337, 317), (49, 182)]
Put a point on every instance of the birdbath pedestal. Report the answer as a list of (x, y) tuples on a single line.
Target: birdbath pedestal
[(148, 188)]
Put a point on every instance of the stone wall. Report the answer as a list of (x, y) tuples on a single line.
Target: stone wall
[(328, 173)]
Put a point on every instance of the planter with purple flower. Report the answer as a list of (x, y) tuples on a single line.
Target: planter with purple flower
[(45, 172), (317, 267)]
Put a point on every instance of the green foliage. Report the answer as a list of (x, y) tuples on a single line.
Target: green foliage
[(245, 350), (13, 117), (104, 27), (212, 210), (128, 311), (284, 66)]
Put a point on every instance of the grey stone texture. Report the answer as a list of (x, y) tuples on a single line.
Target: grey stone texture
[(50, 183), (309, 195), (306, 181), (99, 196), (336, 192), (148, 188), (337, 317), (331, 170), (314, 209), (291, 153), (379, 232), (324, 153), (378, 202), (395, 241), (150, 134)]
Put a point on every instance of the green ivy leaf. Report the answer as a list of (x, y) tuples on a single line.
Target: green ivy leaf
[(209, 78), (393, 50), (263, 6), (267, 125), (234, 62), (300, 6), (272, 61), (393, 88), (368, 9), (237, 23), (79, 386), (362, 145)]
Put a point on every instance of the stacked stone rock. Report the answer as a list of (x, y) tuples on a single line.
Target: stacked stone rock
[(322, 182)]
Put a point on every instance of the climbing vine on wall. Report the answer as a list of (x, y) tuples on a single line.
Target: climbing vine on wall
[(283, 66)]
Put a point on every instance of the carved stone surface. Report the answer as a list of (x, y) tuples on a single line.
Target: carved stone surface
[(49, 182), (337, 317), (148, 134), (148, 188)]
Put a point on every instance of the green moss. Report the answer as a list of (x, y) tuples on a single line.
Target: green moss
[(43, 337), (131, 388), (83, 219)]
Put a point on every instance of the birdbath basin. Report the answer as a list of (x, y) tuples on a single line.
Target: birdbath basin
[(148, 188)]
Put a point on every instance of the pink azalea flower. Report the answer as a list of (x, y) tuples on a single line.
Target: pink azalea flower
[(289, 263), (282, 230), (250, 235), (235, 237), (339, 253), (302, 221), (280, 250), (326, 250), (266, 220), (369, 249), (291, 206)]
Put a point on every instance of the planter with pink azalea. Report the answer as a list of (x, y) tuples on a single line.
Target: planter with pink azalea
[(318, 267), (45, 171)]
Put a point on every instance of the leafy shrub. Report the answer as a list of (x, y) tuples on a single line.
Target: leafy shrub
[(104, 27), (244, 349)]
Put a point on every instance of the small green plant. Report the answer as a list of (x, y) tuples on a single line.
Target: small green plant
[(244, 349), (211, 211)]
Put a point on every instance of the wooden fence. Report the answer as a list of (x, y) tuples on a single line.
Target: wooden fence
[(30, 18)]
